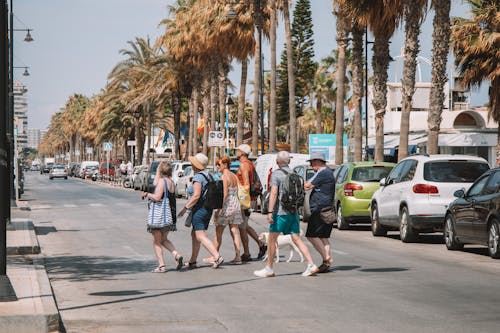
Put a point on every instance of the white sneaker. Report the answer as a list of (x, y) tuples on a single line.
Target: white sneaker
[(265, 272), (310, 270)]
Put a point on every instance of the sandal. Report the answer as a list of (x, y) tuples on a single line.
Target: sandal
[(179, 259), (190, 265), (159, 269), (218, 262), (236, 262)]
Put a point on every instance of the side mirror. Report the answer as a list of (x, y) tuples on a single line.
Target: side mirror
[(382, 182), (180, 175), (459, 193)]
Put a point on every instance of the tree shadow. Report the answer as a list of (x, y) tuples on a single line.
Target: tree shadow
[(86, 268), (43, 231)]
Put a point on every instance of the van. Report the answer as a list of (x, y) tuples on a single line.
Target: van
[(86, 164), (266, 163)]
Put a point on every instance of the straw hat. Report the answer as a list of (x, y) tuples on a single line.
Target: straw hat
[(200, 161)]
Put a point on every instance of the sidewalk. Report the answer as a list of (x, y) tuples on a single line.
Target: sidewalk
[(35, 310)]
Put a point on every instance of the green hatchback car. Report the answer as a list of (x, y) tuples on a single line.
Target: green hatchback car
[(355, 184)]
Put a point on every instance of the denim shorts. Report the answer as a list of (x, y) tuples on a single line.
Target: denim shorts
[(287, 224), (201, 219)]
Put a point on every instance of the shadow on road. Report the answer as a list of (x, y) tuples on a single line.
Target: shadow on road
[(436, 238), (83, 268), (43, 231)]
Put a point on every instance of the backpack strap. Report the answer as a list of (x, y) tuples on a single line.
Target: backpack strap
[(205, 188)]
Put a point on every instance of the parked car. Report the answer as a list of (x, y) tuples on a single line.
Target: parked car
[(73, 169), (84, 164), (46, 168), (414, 197), (58, 171), (178, 169), (474, 218), (355, 184), (90, 171), (150, 177), (140, 179), (185, 180), (108, 174)]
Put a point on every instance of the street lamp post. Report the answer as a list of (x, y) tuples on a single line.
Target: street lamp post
[(366, 93), (7, 292)]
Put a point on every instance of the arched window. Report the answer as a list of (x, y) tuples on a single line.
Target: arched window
[(465, 120)]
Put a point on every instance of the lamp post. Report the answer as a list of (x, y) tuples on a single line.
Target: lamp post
[(7, 293), (366, 93)]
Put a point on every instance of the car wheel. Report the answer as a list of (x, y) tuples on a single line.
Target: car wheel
[(51, 178), (377, 228), (342, 224), (406, 232), (493, 239), (450, 238)]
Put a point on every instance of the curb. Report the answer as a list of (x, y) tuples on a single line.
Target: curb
[(27, 242)]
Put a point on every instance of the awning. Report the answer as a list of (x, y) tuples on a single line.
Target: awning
[(391, 142), (472, 139)]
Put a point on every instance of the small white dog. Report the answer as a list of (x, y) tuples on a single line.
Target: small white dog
[(282, 241)]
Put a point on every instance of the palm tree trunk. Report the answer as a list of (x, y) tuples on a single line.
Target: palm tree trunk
[(206, 111), (214, 99), (339, 105), (241, 103), (196, 104), (412, 46), (291, 80), (148, 129), (380, 63), (190, 130), (222, 99), (357, 83), (272, 104), (319, 114), (255, 105), (177, 107), (440, 47), (139, 135)]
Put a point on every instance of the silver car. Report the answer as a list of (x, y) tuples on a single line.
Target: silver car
[(58, 171)]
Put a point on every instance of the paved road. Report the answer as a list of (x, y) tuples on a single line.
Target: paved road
[(98, 257)]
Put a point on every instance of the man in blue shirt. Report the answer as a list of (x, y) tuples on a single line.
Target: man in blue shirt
[(282, 221), (322, 185)]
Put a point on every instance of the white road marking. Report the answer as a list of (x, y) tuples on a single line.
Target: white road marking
[(70, 206), (339, 252), (96, 205), (41, 207)]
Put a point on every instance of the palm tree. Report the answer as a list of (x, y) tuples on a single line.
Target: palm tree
[(291, 80), (356, 65), (414, 12), (342, 25), (272, 98), (440, 47), (476, 46)]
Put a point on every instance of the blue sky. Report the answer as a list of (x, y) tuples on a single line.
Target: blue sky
[(77, 44)]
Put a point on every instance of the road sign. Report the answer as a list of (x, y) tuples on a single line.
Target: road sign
[(107, 146), (216, 139), (77, 152), (130, 143), (89, 150)]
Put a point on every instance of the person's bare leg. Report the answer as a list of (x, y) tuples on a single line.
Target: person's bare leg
[(157, 238), (271, 248), (319, 246), (202, 238), (219, 230), (252, 233), (303, 248), (235, 234), (244, 241), (326, 246), (195, 247)]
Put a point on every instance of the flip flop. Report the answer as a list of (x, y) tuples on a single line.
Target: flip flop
[(179, 262), (190, 265), (159, 269), (218, 262)]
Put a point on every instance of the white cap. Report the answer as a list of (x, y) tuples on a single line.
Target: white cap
[(245, 149)]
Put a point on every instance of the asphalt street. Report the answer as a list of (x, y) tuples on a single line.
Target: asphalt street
[(99, 257)]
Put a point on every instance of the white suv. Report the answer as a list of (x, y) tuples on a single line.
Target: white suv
[(415, 195)]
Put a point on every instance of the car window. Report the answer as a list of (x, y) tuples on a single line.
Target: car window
[(493, 183), (478, 186), (299, 171), (409, 170), (187, 171), (342, 174), (185, 166), (309, 173), (370, 173), (454, 171), (395, 173)]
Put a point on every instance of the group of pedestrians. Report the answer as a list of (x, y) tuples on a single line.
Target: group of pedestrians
[(234, 214)]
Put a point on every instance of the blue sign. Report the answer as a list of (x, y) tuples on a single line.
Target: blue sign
[(326, 144)]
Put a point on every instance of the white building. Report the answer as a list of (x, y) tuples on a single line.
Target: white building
[(464, 130), (20, 115), (34, 136)]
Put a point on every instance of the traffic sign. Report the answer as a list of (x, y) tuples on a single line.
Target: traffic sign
[(89, 150), (130, 143), (107, 146), (77, 152), (216, 139)]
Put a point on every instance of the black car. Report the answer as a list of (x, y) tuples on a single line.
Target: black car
[(474, 218)]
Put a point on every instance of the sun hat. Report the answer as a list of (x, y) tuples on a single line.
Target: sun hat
[(317, 155), (245, 149), (200, 161)]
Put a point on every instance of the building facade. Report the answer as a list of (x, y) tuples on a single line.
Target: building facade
[(20, 115), (34, 136), (464, 130)]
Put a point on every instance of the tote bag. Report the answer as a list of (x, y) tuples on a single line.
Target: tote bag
[(159, 214), (244, 196)]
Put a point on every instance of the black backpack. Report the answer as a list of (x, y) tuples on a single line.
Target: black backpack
[(214, 193), (293, 193), (255, 185)]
